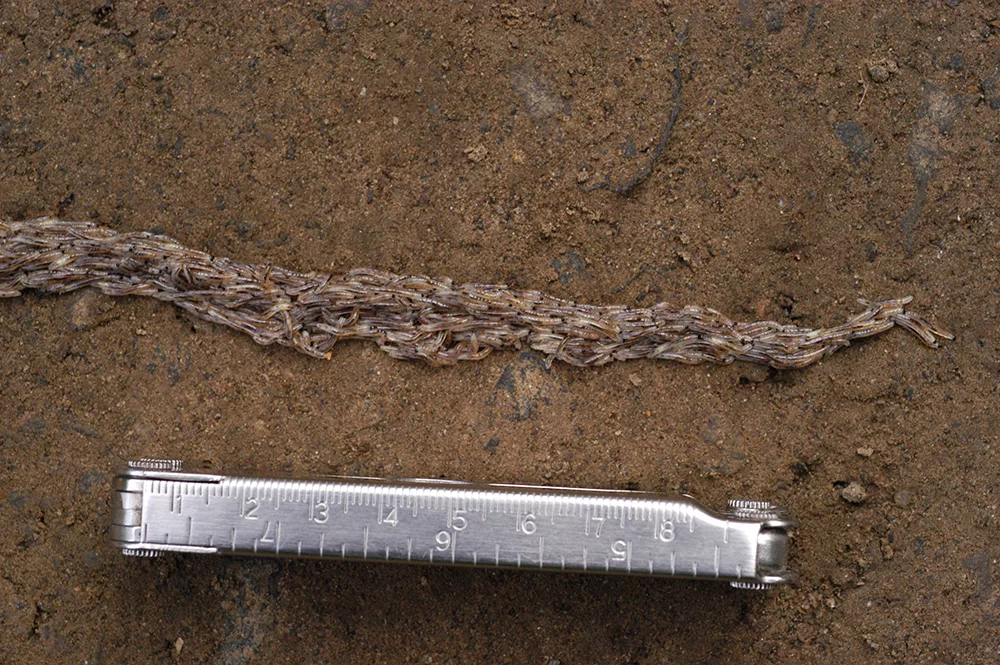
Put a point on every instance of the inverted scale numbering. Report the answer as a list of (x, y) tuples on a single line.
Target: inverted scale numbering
[(161, 508)]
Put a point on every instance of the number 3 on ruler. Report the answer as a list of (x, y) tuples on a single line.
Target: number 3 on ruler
[(319, 512)]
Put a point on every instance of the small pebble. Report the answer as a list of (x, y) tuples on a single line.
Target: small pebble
[(878, 73), (476, 153), (686, 258), (178, 645), (635, 380), (853, 493), (866, 451), (901, 498), (842, 577)]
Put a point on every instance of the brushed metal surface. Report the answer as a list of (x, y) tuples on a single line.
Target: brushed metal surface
[(448, 522)]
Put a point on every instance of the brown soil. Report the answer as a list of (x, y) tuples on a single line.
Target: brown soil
[(820, 154)]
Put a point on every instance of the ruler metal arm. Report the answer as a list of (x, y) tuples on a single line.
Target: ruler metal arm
[(159, 508)]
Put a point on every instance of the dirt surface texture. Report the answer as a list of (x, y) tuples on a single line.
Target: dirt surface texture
[(767, 159)]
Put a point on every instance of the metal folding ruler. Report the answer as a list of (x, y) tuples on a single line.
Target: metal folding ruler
[(159, 508)]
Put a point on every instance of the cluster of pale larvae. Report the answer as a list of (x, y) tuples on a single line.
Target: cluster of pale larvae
[(414, 317)]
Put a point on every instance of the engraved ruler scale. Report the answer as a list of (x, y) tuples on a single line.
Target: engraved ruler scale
[(159, 508)]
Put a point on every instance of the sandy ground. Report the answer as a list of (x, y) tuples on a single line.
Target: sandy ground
[(820, 154)]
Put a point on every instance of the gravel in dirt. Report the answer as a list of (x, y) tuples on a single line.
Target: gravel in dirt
[(854, 493), (742, 157)]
